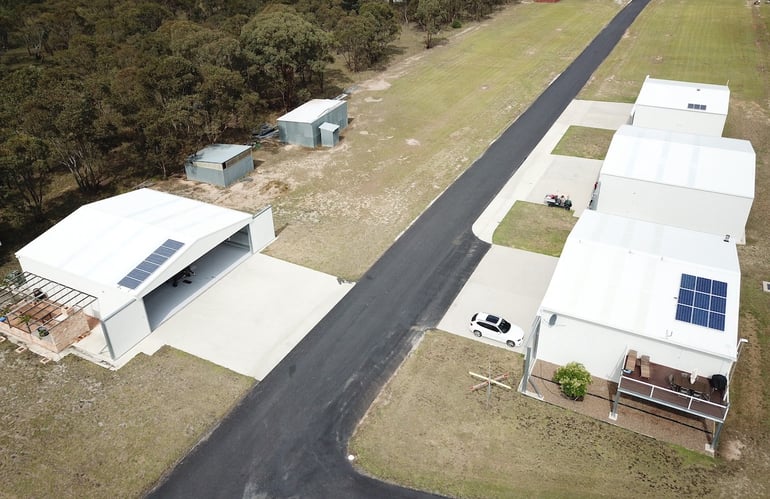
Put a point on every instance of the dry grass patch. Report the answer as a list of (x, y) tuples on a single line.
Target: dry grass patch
[(535, 227), (584, 142), (74, 429), (428, 431)]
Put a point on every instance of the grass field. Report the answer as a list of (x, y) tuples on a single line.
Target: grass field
[(462, 444), (711, 41), (74, 429), (716, 42), (414, 129)]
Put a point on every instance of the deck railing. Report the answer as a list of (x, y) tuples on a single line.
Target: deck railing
[(670, 398)]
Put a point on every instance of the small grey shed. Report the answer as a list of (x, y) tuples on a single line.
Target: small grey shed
[(330, 134), (303, 125), (220, 164)]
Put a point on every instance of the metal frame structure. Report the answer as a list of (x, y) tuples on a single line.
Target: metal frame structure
[(690, 404), (25, 289)]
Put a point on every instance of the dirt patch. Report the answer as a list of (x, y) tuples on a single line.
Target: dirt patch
[(274, 187), (375, 85), (731, 449)]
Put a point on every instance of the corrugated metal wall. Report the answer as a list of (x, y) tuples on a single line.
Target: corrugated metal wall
[(309, 135)]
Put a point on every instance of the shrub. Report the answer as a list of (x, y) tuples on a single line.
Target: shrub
[(456, 24), (574, 380)]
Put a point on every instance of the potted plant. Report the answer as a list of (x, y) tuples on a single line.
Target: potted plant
[(26, 319), (574, 379)]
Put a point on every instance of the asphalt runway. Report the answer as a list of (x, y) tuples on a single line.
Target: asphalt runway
[(288, 436)]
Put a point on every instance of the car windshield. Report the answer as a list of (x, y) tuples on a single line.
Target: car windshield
[(505, 326)]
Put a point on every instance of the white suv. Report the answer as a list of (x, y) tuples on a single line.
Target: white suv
[(496, 328)]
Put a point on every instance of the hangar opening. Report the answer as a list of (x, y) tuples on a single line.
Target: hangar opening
[(177, 292)]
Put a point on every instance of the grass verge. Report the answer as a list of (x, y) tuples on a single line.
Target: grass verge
[(584, 142), (462, 444), (535, 227)]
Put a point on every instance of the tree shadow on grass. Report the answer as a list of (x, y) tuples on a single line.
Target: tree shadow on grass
[(336, 81)]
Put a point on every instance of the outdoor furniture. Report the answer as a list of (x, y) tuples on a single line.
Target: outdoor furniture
[(645, 367), (630, 362), (718, 382), (681, 384)]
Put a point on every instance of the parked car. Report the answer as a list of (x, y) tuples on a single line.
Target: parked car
[(496, 328)]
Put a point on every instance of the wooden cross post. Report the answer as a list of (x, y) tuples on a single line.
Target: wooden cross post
[(489, 381)]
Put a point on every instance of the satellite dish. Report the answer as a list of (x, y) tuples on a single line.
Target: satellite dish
[(552, 320)]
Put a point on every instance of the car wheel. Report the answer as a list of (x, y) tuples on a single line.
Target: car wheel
[(510, 343), (477, 334)]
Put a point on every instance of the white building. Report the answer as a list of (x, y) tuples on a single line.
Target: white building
[(626, 287), (144, 255), (682, 106), (690, 181)]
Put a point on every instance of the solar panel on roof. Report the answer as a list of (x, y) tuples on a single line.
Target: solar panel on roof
[(150, 264), (702, 302)]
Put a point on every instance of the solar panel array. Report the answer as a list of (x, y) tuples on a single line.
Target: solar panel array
[(699, 107), (702, 301), (141, 272)]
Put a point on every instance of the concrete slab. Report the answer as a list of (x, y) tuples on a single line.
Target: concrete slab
[(527, 183), (247, 321), (509, 282), (568, 176), (253, 317), (597, 114)]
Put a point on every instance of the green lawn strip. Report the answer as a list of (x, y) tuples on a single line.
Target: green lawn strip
[(694, 458), (429, 431), (74, 429), (535, 227), (584, 142)]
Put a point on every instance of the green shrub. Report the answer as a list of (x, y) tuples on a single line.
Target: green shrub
[(456, 24), (574, 380)]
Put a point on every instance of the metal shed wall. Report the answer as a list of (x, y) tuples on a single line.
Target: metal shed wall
[(330, 134), (703, 211), (601, 349), (308, 134), (220, 174), (679, 120)]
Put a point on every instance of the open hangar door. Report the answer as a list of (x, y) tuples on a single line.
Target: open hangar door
[(190, 281)]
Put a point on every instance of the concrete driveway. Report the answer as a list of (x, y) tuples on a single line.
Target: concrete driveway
[(508, 282), (251, 318), (512, 282), (545, 173)]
